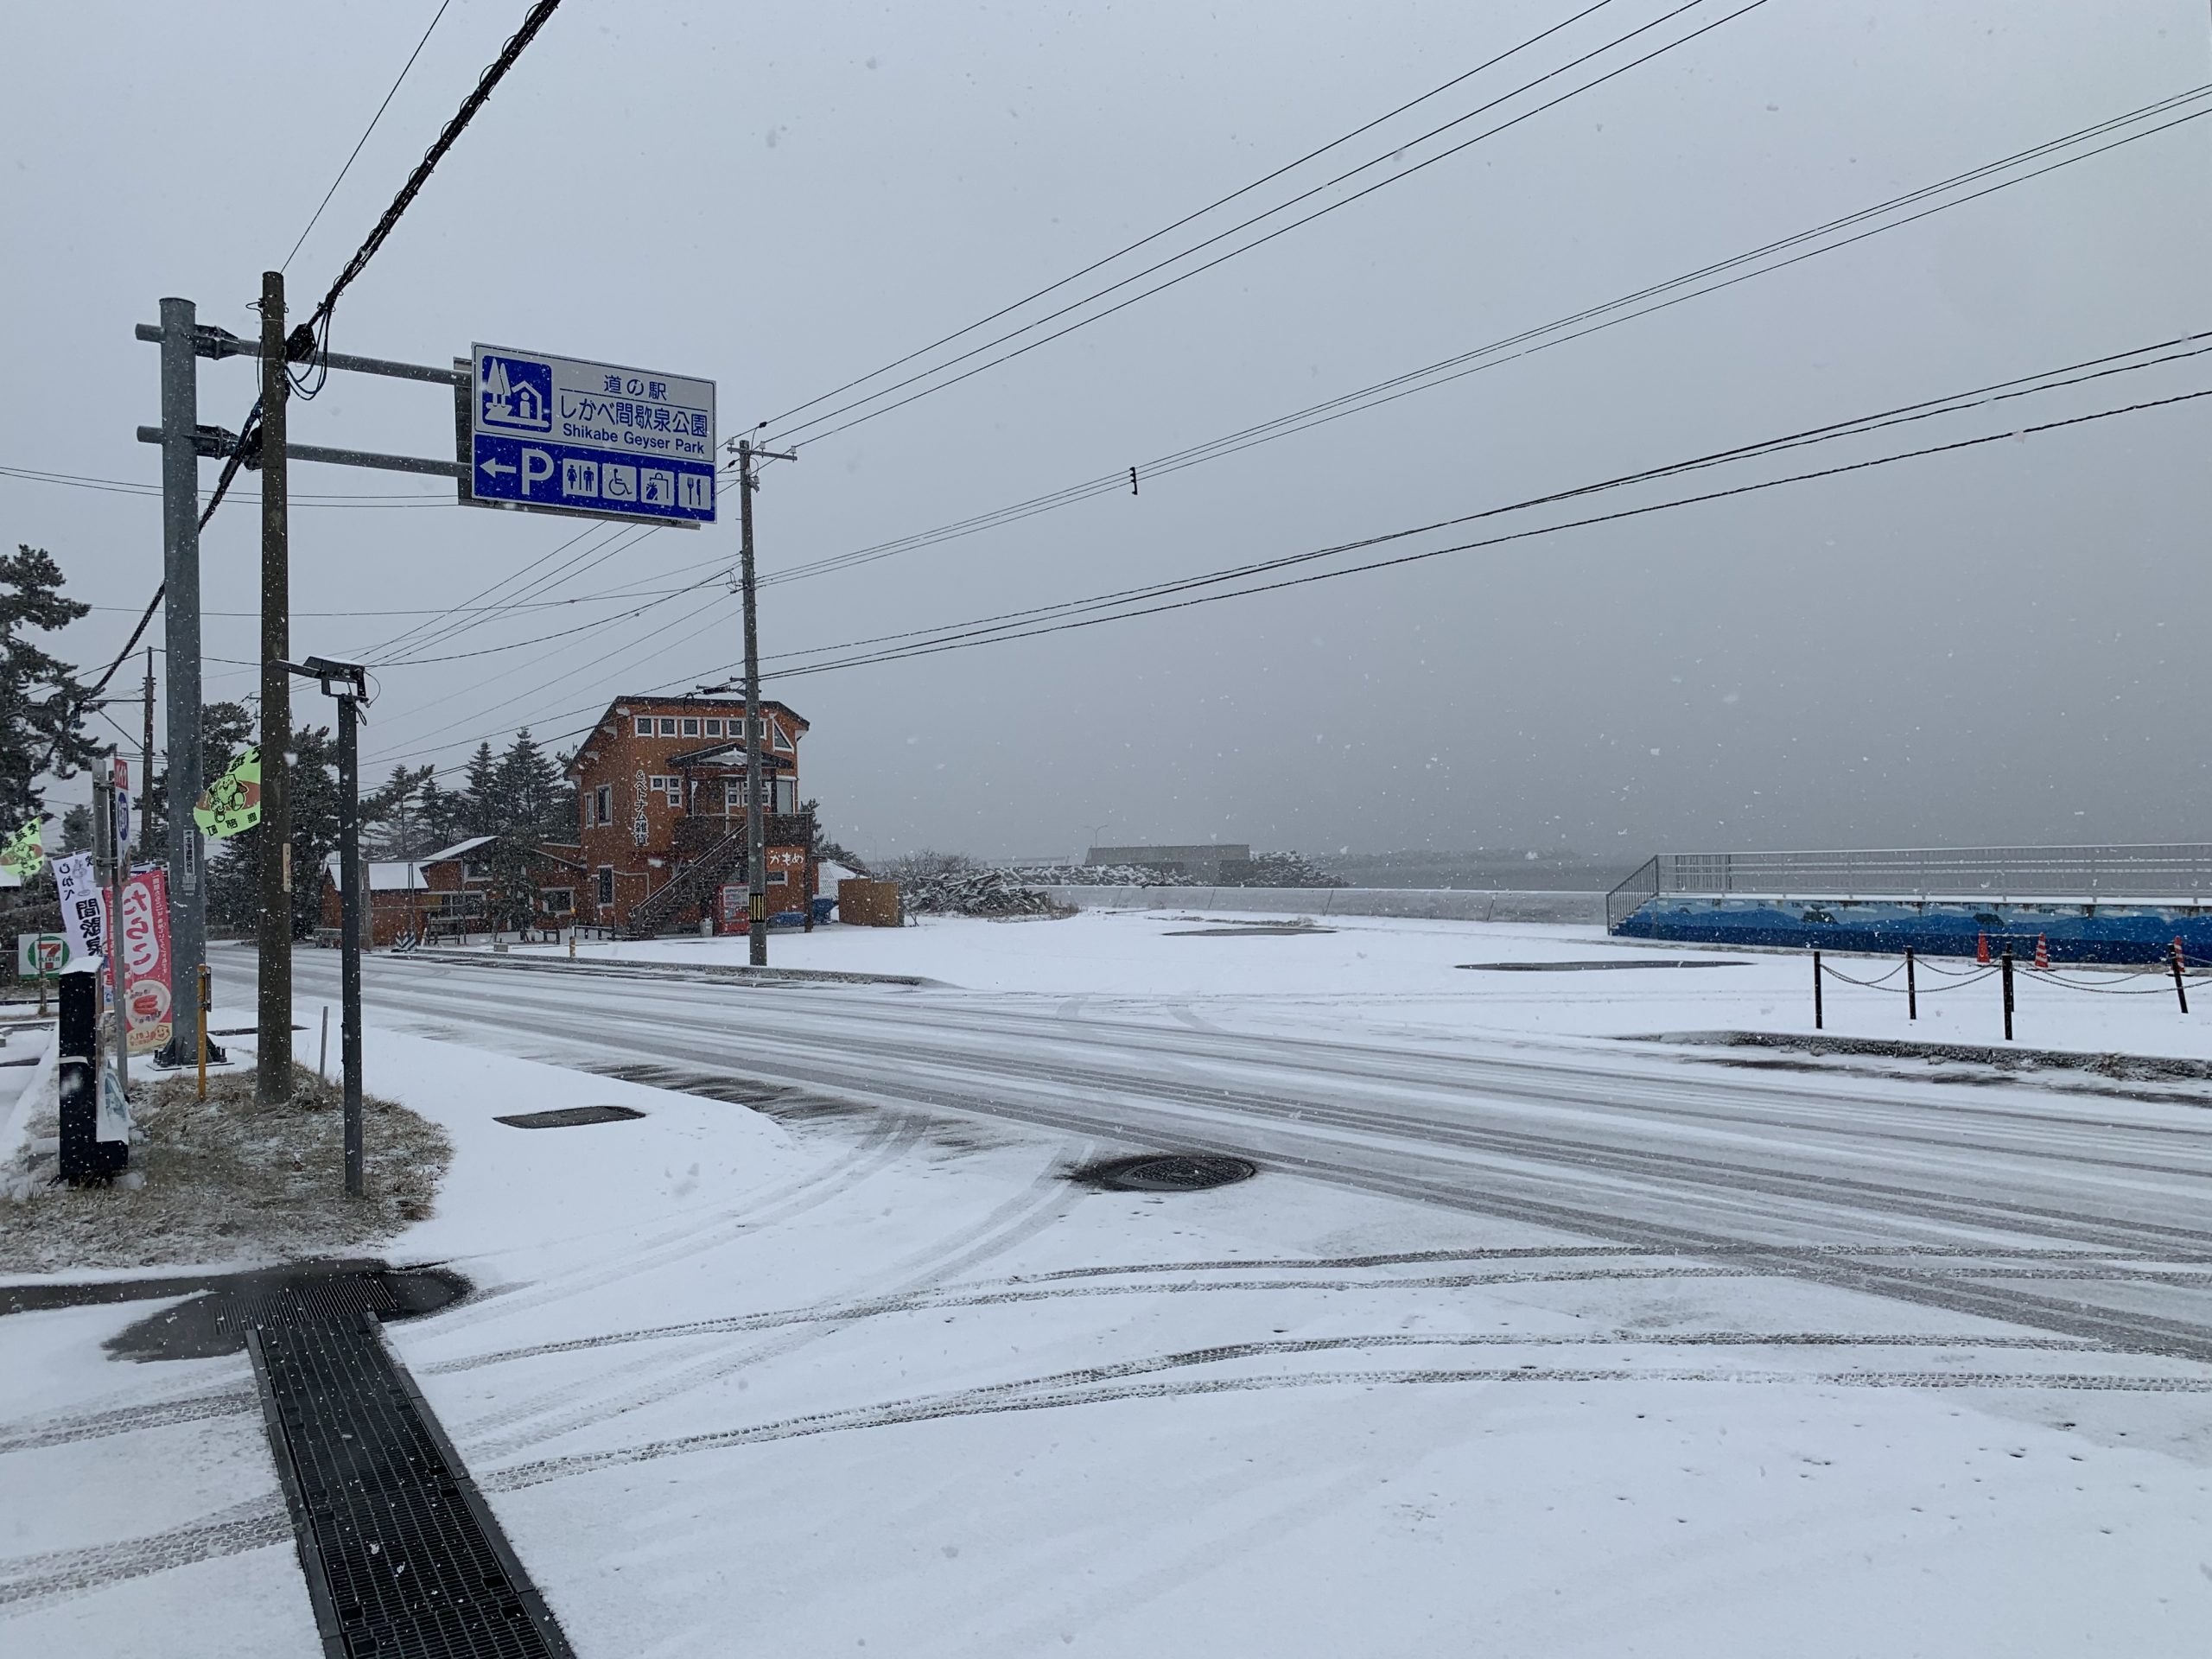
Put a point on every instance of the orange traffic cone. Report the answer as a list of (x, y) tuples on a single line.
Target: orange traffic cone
[(2043, 952), (1981, 949)]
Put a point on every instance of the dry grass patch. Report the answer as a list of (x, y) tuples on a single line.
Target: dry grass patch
[(221, 1180)]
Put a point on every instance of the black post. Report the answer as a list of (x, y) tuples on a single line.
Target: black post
[(84, 1157), (349, 966), (2007, 970), (1911, 988), (1817, 1021), (2181, 986)]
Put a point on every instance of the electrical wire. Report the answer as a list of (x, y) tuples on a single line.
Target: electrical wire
[(792, 434), (999, 635), (356, 152), (2074, 374), (1448, 369), (1337, 143)]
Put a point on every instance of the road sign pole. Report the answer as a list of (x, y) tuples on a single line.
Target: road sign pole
[(181, 623), (755, 830), (273, 1061), (110, 865)]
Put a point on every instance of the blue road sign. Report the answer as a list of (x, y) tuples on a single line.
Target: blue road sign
[(561, 435)]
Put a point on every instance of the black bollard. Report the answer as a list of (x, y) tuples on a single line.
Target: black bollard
[(2181, 987), (86, 1159), (2008, 993), (1911, 988), (1816, 991)]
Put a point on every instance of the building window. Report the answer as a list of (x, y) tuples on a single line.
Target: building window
[(644, 725), (713, 729), (607, 884), (778, 878), (473, 870), (778, 737), (558, 901), (671, 787), (786, 795), (668, 725), (691, 725), (733, 795), (605, 795)]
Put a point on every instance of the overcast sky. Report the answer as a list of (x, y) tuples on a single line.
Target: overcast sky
[(2000, 644)]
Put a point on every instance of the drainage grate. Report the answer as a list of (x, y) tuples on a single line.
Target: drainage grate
[(402, 1554), (214, 1322), (1167, 1171), (570, 1117), (1596, 967)]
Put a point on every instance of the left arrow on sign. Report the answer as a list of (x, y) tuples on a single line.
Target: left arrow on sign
[(495, 467)]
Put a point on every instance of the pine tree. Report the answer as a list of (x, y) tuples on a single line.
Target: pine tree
[(42, 704), (442, 812), (526, 789), (234, 877), (479, 794)]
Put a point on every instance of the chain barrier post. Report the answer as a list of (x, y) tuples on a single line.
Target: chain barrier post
[(2008, 993), (1817, 1013), (2181, 986), (1911, 987)]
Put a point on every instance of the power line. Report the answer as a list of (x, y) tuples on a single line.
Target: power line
[(995, 638), (2077, 373), (1608, 314), (1219, 201), (493, 74), (1071, 613), (790, 434), (126, 486), (371, 127)]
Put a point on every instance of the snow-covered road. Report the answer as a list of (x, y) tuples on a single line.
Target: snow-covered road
[(2062, 1213)]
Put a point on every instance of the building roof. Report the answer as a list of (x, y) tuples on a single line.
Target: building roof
[(383, 877), (722, 705), (732, 754), (456, 851)]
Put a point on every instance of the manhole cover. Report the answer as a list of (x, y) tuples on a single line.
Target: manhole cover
[(1595, 967), (1167, 1171), (570, 1117)]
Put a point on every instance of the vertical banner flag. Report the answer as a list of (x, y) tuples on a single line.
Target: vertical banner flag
[(83, 906), (23, 854), (232, 804), (142, 948), (122, 808)]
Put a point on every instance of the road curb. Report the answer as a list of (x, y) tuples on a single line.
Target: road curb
[(2006, 1057)]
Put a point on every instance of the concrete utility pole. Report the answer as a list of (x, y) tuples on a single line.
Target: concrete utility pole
[(146, 778), (272, 1080), (180, 622), (755, 828)]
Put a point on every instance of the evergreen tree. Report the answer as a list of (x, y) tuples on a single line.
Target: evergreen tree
[(42, 704), (479, 794), (225, 729), (512, 899), (392, 819), (234, 878), (442, 814), (526, 791), (77, 829)]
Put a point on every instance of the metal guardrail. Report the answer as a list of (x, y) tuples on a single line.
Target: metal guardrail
[(2180, 872)]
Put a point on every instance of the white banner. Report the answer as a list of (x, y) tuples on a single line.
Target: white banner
[(83, 906)]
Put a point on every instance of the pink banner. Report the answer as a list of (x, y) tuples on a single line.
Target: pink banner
[(144, 954)]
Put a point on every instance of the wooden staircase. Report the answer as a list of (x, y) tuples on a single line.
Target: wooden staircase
[(692, 884)]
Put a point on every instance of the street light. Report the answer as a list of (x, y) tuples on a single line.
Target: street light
[(348, 683)]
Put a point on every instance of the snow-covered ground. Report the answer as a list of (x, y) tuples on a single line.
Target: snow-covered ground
[(1371, 973), (1829, 1368)]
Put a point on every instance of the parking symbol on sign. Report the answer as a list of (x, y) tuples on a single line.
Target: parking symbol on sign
[(659, 488), (620, 483), (579, 477)]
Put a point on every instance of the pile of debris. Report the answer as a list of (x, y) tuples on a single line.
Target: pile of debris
[(976, 893)]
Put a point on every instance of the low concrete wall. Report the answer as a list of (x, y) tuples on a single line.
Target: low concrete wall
[(1440, 904)]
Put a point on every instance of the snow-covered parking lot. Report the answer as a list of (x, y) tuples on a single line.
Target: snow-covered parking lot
[(1525, 1339)]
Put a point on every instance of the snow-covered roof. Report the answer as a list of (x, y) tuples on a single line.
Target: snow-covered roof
[(391, 876), (456, 850), (832, 873)]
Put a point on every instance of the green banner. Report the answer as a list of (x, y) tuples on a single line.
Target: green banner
[(23, 854), (233, 802)]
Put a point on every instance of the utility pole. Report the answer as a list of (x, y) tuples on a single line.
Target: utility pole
[(109, 866), (146, 780), (181, 623), (273, 1062), (755, 828)]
